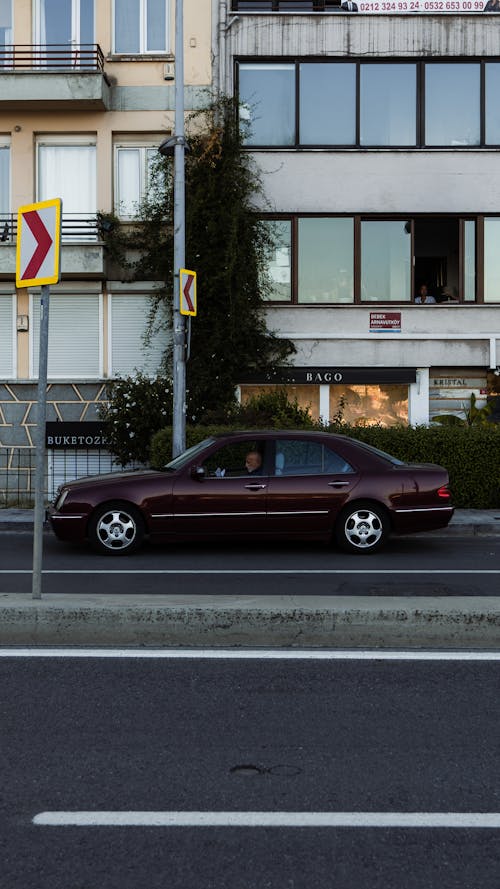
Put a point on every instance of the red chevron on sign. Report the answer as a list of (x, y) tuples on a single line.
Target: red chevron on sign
[(187, 281), (38, 243), (44, 243)]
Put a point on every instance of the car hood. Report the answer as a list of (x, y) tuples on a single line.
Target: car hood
[(108, 478)]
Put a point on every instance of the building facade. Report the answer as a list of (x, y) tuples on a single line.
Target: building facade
[(86, 97), (376, 130)]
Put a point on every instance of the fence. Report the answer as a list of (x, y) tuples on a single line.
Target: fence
[(17, 471)]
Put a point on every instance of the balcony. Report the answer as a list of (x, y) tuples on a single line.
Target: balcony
[(53, 78), (82, 250)]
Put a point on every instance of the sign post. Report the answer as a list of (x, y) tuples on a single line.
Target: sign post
[(38, 265)]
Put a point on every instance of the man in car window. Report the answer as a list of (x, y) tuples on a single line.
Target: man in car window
[(253, 463)]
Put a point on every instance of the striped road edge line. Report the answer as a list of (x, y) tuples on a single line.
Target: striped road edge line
[(450, 820), (252, 654), (288, 572)]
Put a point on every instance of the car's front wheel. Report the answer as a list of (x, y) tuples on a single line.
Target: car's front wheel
[(116, 529), (362, 528)]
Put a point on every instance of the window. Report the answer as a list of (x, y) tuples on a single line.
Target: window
[(75, 342), (7, 336), (128, 348), (67, 168), (4, 178), (62, 23), (491, 260), (452, 104), (267, 94), (327, 104), (370, 104), (388, 102), (279, 263), (299, 457), (5, 25), (385, 261), (383, 403), (133, 176), (231, 461), (326, 260), (141, 26)]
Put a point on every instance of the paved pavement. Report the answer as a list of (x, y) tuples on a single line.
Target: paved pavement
[(246, 622)]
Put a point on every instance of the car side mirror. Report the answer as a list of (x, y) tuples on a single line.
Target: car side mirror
[(198, 473)]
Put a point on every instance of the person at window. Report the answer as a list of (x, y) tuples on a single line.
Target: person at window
[(350, 6), (423, 296), (253, 463)]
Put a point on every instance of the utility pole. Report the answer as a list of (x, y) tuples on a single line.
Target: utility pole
[(179, 323)]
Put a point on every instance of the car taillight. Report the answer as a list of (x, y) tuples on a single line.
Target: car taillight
[(444, 492)]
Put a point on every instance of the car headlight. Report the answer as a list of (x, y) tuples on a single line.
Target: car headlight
[(60, 499)]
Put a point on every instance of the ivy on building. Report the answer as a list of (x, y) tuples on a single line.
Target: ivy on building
[(227, 244)]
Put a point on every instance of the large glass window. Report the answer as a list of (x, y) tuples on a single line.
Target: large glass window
[(367, 405), (492, 111), (69, 171), (452, 104), (370, 104), (5, 25), (385, 260), (65, 22), (267, 97), (141, 26), (326, 257), (279, 262), (4, 178), (388, 101), (469, 260), (491, 260), (133, 178), (327, 104)]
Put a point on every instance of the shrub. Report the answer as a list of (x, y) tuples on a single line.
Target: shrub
[(136, 407)]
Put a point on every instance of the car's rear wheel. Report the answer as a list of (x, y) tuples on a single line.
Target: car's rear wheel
[(362, 528), (116, 529)]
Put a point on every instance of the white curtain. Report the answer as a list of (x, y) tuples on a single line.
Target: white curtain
[(69, 172), (129, 181), (4, 180)]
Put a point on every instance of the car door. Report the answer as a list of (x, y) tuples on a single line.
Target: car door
[(224, 498), (308, 486)]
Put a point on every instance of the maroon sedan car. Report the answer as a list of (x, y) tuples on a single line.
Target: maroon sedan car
[(281, 484)]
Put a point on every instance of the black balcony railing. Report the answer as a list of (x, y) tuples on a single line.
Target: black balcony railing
[(56, 57), (285, 5), (74, 228)]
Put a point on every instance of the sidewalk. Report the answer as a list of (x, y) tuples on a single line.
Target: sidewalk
[(485, 522), (279, 622)]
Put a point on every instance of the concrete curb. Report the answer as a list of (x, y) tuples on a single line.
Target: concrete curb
[(242, 622)]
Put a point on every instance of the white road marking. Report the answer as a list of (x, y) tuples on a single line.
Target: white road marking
[(453, 820), (281, 571), (251, 654)]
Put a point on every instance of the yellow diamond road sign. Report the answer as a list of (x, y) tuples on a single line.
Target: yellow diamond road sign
[(38, 243)]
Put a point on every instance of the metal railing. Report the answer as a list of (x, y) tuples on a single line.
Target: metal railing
[(77, 227), (56, 57), (17, 471)]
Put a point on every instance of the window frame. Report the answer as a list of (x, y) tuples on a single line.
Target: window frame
[(5, 143), (412, 218), (420, 65), (143, 146), (143, 21)]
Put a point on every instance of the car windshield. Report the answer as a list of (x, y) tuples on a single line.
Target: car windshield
[(186, 456), (382, 454)]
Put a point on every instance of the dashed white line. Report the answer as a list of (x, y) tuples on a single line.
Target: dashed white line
[(280, 571), (451, 820)]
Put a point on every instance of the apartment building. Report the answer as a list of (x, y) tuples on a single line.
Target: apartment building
[(86, 97), (376, 128)]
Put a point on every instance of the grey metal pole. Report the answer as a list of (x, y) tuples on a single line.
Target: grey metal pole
[(40, 445), (179, 355)]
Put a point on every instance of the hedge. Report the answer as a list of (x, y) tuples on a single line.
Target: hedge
[(470, 454)]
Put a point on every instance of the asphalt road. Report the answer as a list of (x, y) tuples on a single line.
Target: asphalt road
[(275, 737), (420, 565)]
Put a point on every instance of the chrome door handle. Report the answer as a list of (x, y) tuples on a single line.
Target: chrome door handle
[(338, 484), (255, 487)]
